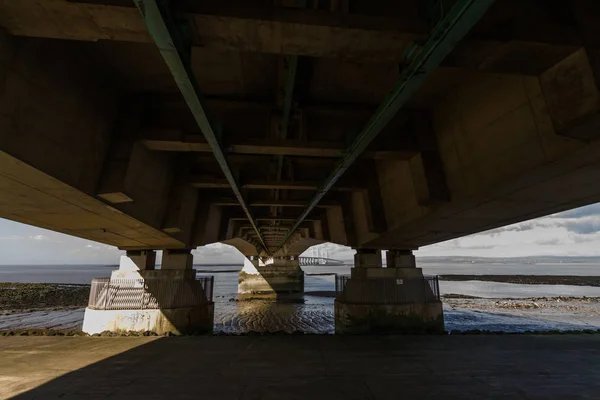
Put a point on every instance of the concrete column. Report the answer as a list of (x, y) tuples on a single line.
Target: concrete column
[(167, 300), (144, 260), (280, 278), (402, 264), (254, 260), (396, 299), (400, 259), (367, 258), (177, 259)]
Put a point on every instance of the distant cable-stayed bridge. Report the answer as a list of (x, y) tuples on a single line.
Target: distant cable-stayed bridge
[(319, 261)]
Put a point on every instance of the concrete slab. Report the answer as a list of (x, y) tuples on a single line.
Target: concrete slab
[(301, 367)]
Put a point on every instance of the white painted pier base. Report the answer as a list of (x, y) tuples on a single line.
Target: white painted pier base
[(197, 318), (175, 320)]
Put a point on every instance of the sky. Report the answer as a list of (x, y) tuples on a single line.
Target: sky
[(570, 233)]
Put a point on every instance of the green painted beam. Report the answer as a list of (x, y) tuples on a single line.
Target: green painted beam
[(290, 81), (422, 60), (165, 34)]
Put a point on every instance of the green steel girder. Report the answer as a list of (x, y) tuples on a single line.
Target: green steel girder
[(290, 81), (169, 39), (421, 61)]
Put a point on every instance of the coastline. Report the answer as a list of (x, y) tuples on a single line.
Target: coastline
[(60, 307), (30, 297), (570, 280), (567, 307)]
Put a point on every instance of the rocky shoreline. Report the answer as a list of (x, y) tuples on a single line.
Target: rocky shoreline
[(590, 305), (31, 306), (529, 279), (30, 297)]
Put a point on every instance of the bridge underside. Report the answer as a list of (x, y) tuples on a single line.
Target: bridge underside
[(96, 140), (273, 126)]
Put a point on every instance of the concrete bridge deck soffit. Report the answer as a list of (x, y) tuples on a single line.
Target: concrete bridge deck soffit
[(277, 125)]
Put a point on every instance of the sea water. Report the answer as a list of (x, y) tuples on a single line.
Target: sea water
[(314, 313)]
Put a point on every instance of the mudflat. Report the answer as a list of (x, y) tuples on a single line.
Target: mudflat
[(28, 297), (573, 280)]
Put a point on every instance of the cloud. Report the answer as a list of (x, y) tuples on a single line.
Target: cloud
[(38, 237), (575, 232), (585, 238), (592, 210), (474, 242), (583, 220), (519, 227), (585, 227), (218, 253), (11, 237), (54, 237), (478, 247), (24, 244), (548, 242), (555, 229), (94, 254), (209, 251)]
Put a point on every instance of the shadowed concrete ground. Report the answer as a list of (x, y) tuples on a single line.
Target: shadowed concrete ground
[(302, 367)]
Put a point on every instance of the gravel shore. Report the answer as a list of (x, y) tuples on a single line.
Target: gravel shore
[(560, 303), (60, 306), (30, 297), (529, 279)]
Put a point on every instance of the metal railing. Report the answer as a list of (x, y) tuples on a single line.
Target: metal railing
[(387, 290), (141, 294)]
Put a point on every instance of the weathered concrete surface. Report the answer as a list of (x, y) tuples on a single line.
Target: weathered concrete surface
[(268, 281), (384, 318), (168, 287), (162, 321), (302, 367), (492, 138), (55, 142), (395, 299)]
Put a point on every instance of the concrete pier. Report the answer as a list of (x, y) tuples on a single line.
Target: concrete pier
[(492, 138), (139, 298), (278, 276), (396, 299)]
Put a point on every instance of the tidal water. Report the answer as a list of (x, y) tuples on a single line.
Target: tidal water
[(85, 273), (82, 274), (496, 268), (314, 313)]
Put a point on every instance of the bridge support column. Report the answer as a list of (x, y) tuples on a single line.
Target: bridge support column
[(280, 276), (396, 299), (138, 297)]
